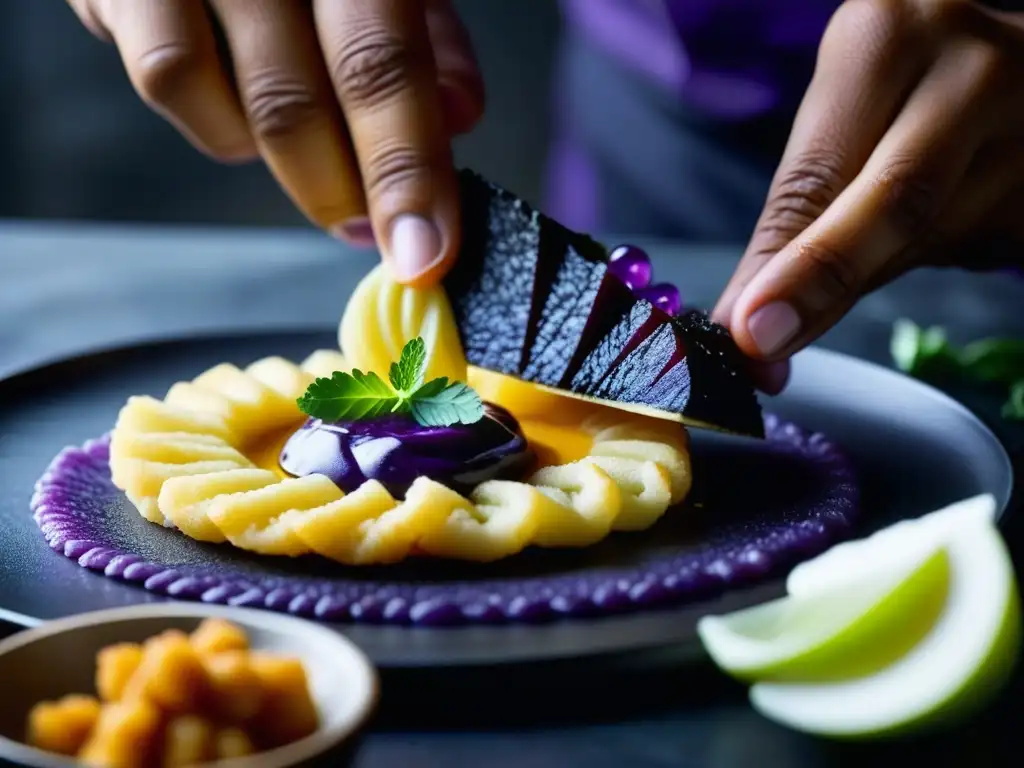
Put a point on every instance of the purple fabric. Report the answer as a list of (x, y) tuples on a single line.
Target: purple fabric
[(732, 59)]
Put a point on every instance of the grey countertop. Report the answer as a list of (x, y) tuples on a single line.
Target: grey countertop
[(64, 288), (68, 288)]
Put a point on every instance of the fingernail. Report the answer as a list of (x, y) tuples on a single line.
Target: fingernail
[(773, 326), (773, 376), (415, 246), (357, 231)]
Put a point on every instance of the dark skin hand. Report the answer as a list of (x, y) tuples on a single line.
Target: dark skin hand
[(352, 105), (908, 148), (907, 151)]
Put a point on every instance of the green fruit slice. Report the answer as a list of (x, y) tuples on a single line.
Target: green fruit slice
[(852, 630), (958, 665), (895, 544), (915, 624)]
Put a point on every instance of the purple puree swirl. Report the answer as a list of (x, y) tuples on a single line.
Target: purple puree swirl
[(798, 496), (395, 450)]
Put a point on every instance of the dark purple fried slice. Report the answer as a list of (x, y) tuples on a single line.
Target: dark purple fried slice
[(637, 372), (535, 300), (708, 383), (509, 259), (623, 338), (585, 303), (686, 366)]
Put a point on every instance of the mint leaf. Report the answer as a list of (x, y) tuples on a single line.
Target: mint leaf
[(407, 374), (905, 345), (915, 349), (358, 395), (440, 404), (995, 360), (347, 396), (1013, 408), (926, 352)]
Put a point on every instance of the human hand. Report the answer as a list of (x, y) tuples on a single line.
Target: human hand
[(908, 150), (351, 104)]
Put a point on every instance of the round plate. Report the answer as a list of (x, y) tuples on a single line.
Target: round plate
[(914, 448)]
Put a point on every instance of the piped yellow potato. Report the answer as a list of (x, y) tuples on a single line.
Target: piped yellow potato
[(397, 313), (206, 458)]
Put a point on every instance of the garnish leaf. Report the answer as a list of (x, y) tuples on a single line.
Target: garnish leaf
[(407, 374), (1013, 408), (995, 360), (350, 396), (926, 353), (357, 395), (915, 349), (440, 404)]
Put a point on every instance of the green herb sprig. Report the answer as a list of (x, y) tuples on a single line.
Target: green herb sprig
[(358, 396), (927, 353)]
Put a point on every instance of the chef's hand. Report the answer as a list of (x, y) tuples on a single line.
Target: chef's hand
[(351, 104), (908, 150)]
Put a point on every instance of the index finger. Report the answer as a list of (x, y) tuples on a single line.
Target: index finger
[(380, 60), (860, 81), (880, 223)]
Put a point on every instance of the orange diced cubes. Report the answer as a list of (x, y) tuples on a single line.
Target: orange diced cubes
[(288, 713), (63, 726), (217, 636), (115, 666), (188, 741), (179, 700), (237, 689), (125, 736), (171, 674), (233, 742)]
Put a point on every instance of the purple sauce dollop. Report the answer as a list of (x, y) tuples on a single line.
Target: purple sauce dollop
[(395, 450)]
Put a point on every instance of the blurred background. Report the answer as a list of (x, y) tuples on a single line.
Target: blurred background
[(77, 143)]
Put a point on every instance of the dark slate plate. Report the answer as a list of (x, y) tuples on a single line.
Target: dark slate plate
[(914, 449)]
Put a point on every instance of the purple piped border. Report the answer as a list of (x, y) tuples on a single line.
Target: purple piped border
[(73, 495)]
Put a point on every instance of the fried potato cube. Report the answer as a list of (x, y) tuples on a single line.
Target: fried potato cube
[(218, 635), (125, 736), (188, 741), (288, 712), (171, 674), (237, 690), (62, 726), (115, 666), (232, 742)]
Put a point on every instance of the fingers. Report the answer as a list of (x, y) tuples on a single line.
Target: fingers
[(382, 67), (458, 74), (865, 68), (90, 20), (169, 51), (292, 110), (770, 378), (981, 228), (868, 230)]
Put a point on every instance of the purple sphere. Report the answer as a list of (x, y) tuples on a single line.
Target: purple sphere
[(632, 266), (664, 296), (395, 450)]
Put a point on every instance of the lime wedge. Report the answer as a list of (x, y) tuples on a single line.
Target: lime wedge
[(853, 629), (912, 625), (852, 560), (959, 664)]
